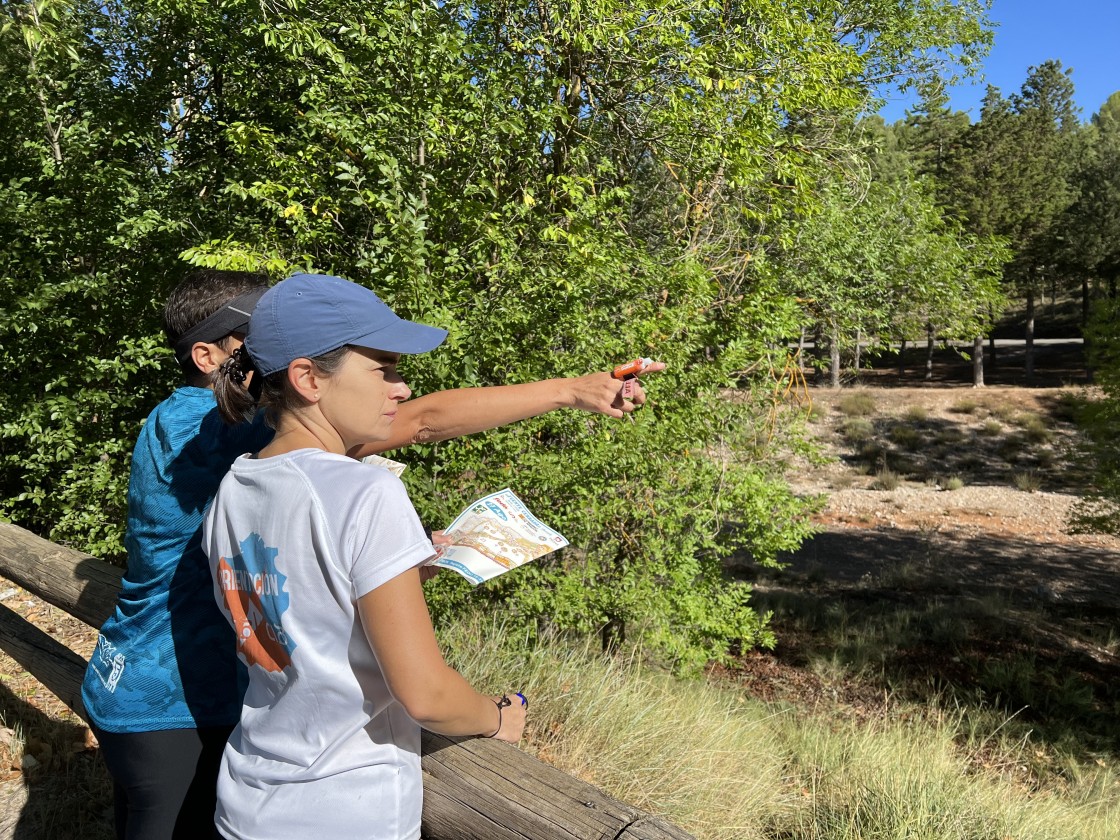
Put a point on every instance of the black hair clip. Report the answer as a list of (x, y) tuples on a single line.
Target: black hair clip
[(234, 366)]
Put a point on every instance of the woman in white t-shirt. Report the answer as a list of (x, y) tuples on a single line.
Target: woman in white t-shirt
[(316, 565)]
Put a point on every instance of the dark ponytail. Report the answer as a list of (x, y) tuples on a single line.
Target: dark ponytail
[(236, 403)]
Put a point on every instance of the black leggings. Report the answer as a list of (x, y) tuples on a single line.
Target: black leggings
[(164, 782)]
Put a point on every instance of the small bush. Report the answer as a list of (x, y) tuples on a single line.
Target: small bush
[(991, 428), (953, 482), (886, 479), (916, 413), (817, 412), (1035, 429), (1004, 412), (857, 430), (964, 407), (907, 437), (856, 404), (1027, 481)]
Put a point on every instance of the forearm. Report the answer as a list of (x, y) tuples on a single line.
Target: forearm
[(434, 694), (453, 707), (465, 411)]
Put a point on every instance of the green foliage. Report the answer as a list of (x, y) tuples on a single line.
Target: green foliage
[(1089, 238), (1100, 421), (559, 186), (1013, 175), (884, 264)]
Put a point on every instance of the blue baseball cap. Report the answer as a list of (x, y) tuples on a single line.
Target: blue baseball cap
[(307, 315)]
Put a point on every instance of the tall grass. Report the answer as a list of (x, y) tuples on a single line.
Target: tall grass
[(724, 765)]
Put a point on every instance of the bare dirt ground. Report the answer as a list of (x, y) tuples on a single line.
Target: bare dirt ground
[(944, 501), (945, 556)]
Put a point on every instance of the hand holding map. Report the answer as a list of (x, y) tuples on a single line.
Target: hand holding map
[(495, 534)]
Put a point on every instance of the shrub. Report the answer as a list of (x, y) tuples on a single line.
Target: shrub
[(991, 428), (1035, 429), (907, 437), (857, 430), (886, 479), (967, 406), (916, 413), (856, 404)]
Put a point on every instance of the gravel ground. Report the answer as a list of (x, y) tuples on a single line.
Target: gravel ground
[(987, 533)]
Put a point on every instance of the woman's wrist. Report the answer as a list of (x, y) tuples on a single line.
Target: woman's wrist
[(501, 703)]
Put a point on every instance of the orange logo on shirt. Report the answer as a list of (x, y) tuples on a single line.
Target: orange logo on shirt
[(254, 602)]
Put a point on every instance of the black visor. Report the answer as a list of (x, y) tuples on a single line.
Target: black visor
[(230, 318)]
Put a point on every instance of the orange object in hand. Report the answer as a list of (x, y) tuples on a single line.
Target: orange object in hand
[(631, 369)]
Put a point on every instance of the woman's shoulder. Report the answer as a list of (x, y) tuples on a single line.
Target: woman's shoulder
[(330, 468)]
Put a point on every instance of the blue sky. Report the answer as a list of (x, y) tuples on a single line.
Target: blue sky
[(1082, 34)]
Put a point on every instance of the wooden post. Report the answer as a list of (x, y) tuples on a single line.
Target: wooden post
[(474, 788)]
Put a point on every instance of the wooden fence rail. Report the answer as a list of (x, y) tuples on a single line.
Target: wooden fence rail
[(474, 788)]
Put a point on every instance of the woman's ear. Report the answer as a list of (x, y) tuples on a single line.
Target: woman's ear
[(305, 380)]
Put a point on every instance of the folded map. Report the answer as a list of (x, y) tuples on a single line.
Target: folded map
[(495, 534)]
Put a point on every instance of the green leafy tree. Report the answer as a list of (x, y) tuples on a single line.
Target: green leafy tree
[(1089, 233), (886, 265), (1093, 226), (561, 186)]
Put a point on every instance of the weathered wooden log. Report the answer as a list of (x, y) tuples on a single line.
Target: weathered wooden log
[(474, 788), (53, 664), (77, 583)]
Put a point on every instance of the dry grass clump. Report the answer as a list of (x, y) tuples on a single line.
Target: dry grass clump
[(1034, 428), (1005, 412), (856, 404), (907, 437), (857, 430), (990, 428), (886, 479), (1028, 481), (966, 406), (725, 766), (916, 413)]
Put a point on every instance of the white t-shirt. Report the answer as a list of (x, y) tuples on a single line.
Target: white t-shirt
[(322, 749)]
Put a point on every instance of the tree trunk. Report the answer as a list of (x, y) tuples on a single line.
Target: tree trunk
[(902, 359), (929, 352), (834, 360), (1086, 306), (991, 338), (1029, 339), (801, 352), (1085, 296), (856, 361), (978, 362)]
